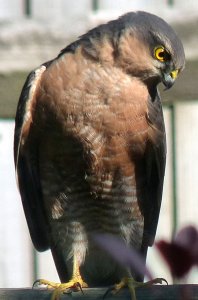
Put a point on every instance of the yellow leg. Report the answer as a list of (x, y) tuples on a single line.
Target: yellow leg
[(132, 285), (76, 282)]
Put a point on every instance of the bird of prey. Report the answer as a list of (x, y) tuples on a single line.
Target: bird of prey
[(90, 145)]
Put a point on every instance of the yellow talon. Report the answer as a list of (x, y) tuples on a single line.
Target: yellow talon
[(132, 285), (76, 283)]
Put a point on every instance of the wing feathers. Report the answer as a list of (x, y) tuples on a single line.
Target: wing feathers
[(26, 162)]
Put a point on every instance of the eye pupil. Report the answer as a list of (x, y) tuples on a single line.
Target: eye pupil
[(161, 54)]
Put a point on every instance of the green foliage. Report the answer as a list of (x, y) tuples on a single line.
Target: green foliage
[(10, 89)]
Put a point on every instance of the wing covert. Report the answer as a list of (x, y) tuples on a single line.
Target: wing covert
[(155, 160)]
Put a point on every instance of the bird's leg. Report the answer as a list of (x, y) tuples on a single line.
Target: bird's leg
[(76, 283), (132, 285)]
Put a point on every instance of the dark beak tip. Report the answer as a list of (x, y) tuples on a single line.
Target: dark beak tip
[(168, 82), (167, 86)]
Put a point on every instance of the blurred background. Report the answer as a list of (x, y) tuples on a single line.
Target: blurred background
[(34, 31)]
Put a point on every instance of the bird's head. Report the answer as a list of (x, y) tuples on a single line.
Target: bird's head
[(147, 47), (140, 43)]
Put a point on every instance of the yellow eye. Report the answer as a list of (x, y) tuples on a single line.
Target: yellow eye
[(161, 54)]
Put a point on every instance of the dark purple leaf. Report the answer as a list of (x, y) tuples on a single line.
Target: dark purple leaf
[(182, 253), (188, 238)]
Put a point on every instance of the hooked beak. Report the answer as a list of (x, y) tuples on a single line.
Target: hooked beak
[(169, 79)]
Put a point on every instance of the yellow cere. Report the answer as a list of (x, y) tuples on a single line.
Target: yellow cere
[(174, 74)]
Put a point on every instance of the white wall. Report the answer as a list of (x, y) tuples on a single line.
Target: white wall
[(187, 155), (53, 10), (15, 246), (61, 9), (11, 9)]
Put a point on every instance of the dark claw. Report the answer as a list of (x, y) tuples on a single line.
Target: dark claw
[(74, 288), (160, 281), (163, 279), (35, 282), (78, 285)]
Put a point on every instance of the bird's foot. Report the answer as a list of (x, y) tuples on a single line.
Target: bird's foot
[(132, 285), (75, 284)]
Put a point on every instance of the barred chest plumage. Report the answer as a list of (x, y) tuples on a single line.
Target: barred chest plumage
[(91, 151)]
